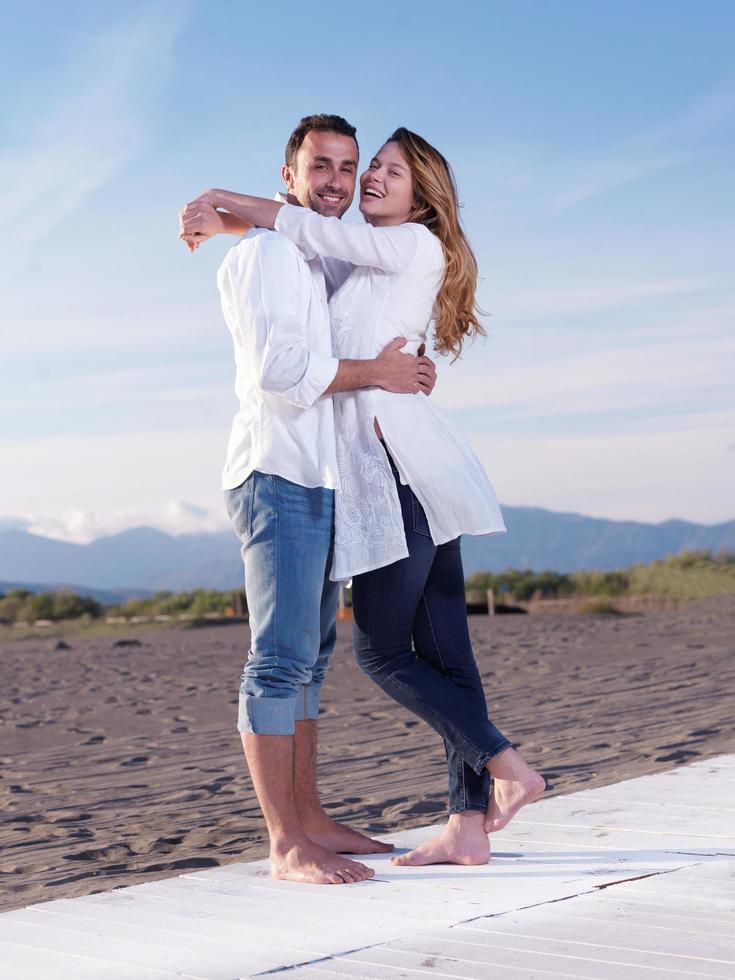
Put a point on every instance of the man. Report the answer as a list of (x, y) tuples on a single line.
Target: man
[(279, 478)]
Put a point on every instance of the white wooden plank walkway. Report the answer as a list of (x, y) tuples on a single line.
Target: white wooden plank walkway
[(631, 880)]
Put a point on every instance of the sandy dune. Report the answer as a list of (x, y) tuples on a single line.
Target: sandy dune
[(122, 764)]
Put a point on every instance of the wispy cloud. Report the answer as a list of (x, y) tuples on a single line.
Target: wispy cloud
[(95, 120), (661, 147), (527, 178), (525, 300), (678, 468), (555, 378)]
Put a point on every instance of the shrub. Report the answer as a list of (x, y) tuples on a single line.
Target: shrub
[(598, 607)]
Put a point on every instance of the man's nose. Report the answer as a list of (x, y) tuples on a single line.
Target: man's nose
[(335, 182)]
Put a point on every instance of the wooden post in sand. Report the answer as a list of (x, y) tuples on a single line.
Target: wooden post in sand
[(239, 604), (343, 610), (490, 603)]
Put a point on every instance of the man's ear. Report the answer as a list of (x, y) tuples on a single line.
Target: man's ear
[(287, 176)]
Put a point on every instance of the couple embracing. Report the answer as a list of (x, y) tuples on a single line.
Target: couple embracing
[(341, 466)]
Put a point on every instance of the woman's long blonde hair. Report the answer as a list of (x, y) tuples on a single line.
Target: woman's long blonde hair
[(437, 207)]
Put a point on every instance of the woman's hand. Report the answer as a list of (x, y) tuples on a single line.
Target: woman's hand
[(199, 220)]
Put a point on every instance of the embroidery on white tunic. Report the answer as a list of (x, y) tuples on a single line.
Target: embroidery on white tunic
[(342, 326), (368, 518)]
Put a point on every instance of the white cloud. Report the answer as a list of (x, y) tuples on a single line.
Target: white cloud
[(669, 144), (524, 301), (555, 375), (528, 179), (677, 469), (81, 526), (94, 123), (133, 475), (674, 467)]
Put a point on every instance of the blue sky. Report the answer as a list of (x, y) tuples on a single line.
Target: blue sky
[(593, 145)]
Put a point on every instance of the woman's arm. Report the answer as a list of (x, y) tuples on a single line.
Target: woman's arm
[(390, 249), (199, 221)]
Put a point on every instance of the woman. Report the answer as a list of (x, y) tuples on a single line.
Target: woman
[(411, 484)]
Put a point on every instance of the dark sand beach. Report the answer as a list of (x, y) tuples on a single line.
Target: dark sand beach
[(122, 764)]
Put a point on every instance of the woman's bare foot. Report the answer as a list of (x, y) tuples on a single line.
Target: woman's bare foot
[(515, 784), (340, 838), (311, 864), (463, 841)]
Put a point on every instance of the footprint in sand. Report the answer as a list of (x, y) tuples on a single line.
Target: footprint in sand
[(681, 755)]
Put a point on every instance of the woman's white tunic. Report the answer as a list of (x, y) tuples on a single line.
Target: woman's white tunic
[(390, 294)]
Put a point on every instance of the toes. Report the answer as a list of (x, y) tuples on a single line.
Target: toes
[(334, 879)]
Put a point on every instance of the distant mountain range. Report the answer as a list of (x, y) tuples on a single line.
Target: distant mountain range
[(143, 559)]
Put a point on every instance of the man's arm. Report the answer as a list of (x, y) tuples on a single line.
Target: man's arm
[(264, 289), (390, 370)]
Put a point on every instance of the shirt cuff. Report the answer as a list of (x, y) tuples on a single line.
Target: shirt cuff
[(320, 373)]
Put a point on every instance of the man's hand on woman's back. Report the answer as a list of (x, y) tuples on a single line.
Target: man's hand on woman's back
[(405, 373)]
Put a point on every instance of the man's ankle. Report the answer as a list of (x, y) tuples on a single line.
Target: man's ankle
[(283, 843), (311, 814)]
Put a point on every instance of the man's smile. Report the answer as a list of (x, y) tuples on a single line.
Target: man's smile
[(333, 199)]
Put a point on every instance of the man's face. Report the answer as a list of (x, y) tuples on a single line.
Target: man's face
[(324, 174)]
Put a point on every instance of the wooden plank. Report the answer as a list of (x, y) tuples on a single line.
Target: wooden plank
[(313, 928), (108, 955), (614, 941), (656, 916), (197, 952), (21, 962), (217, 928), (663, 822), (497, 963), (24, 964), (588, 836), (233, 920)]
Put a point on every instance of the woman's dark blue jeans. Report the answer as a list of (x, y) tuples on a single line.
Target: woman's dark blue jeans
[(411, 637)]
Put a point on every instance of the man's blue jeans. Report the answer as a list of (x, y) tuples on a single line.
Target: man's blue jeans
[(287, 534), (411, 637)]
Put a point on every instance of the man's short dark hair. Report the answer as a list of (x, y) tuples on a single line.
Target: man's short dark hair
[(322, 123)]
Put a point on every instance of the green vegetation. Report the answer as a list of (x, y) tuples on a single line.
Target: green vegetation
[(20, 605), (598, 607), (688, 575), (200, 602)]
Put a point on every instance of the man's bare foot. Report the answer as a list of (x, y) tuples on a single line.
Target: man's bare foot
[(515, 784), (340, 838), (309, 863), (463, 841)]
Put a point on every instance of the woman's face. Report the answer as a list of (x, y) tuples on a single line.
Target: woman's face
[(386, 188)]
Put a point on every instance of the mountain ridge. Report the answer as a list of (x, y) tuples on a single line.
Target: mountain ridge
[(145, 558)]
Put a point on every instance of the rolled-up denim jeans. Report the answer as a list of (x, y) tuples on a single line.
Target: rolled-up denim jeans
[(287, 535)]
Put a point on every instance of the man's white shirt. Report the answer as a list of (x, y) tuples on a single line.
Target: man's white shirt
[(275, 305)]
